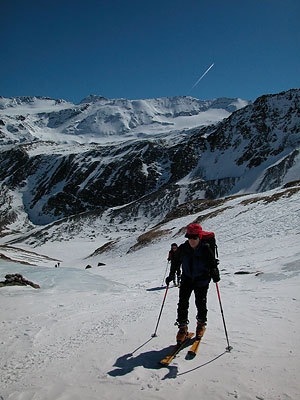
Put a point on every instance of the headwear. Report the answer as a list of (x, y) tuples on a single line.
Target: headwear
[(194, 229)]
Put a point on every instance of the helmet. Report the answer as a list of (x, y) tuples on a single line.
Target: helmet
[(194, 229)]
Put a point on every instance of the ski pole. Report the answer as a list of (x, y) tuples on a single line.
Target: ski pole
[(163, 281), (162, 306), (228, 348)]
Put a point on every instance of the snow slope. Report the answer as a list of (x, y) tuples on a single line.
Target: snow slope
[(100, 120), (86, 334)]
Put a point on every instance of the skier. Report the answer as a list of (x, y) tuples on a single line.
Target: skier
[(199, 266), (171, 257)]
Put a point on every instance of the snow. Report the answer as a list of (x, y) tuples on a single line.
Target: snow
[(87, 333), (104, 121), (31, 105), (294, 172)]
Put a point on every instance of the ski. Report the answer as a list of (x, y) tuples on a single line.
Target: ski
[(175, 350), (195, 346)]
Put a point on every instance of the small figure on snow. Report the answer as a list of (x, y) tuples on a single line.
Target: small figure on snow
[(199, 266), (176, 269)]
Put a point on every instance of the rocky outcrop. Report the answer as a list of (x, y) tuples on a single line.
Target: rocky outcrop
[(17, 280)]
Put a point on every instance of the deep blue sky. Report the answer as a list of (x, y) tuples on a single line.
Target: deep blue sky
[(138, 49)]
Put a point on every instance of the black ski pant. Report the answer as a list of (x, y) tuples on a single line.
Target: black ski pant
[(185, 291)]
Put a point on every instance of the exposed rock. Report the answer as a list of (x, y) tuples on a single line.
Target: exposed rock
[(254, 149), (17, 280), (256, 273)]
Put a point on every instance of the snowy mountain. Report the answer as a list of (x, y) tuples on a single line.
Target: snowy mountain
[(25, 119), (143, 158), (114, 200), (87, 334)]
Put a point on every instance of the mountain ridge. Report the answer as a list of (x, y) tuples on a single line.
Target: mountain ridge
[(96, 117), (255, 148)]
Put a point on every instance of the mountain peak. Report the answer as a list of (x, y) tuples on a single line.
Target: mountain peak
[(59, 160), (92, 98)]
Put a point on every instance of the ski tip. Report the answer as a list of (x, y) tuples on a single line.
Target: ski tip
[(191, 355), (229, 348)]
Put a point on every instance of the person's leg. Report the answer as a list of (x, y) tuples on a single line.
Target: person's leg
[(178, 273), (185, 292), (201, 303)]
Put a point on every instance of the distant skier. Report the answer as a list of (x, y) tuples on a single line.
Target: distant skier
[(199, 266), (177, 270)]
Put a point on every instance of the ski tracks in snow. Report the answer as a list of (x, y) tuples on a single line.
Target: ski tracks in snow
[(35, 340)]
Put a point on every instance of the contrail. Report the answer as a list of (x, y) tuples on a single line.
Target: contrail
[(202, 76)]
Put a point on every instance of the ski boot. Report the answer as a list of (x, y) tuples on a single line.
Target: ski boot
[(182, 333), (200, 329)]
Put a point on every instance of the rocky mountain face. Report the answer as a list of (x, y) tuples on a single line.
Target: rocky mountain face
[(126, 159)]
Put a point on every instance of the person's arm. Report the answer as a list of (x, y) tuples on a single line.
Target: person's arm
[(213, 264)]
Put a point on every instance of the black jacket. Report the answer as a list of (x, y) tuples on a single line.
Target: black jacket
[(198, 265)]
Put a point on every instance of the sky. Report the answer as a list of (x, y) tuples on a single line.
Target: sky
[(136, 50)]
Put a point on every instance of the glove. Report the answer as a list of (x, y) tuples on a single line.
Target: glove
[(169, 279), (215, 274)]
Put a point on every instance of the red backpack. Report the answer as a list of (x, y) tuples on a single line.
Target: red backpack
[(209, 237)]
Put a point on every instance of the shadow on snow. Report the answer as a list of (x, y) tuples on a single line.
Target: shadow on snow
[(156, 288), (150, 360)]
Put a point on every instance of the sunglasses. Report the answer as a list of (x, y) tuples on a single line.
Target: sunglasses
[(194, 237)]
